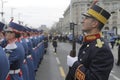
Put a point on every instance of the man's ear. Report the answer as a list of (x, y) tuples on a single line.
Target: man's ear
[(95, 23)]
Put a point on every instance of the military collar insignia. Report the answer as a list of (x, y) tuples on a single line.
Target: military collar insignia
[(99, 43), (93, 37)]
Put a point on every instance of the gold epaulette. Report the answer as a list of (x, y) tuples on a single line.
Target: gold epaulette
[(99, 43)]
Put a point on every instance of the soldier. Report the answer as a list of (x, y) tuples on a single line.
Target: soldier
[(50, 37), (14, 51), (45, 42), (4, 68), (24, 67), (95, 59), (112, 41), (30, 57), (54, 43)]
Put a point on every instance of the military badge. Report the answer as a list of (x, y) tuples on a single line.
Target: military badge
[(79, 75), (99, 43)]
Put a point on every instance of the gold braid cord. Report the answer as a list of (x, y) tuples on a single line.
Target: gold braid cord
[(79, 75)]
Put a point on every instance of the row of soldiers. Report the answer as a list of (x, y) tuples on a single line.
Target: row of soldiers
[(21, 51)]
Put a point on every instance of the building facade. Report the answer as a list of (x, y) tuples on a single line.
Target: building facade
[(77, 7)]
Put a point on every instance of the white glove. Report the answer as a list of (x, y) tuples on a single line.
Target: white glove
[(71, 60)]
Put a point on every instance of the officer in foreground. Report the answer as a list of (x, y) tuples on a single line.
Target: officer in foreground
[(95, 59)]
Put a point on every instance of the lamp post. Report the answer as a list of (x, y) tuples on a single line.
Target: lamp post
[(2, 7), (72, 27), (12, 9)]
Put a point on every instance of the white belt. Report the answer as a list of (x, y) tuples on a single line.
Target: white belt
[(34, 48), (24, 61), (29, 56), (40, 43), (14, 71)]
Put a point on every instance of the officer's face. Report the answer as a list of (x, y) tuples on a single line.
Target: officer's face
[(25, 34), (87, 24), (9, 35)]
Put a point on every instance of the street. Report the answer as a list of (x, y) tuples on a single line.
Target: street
[(54, 65)]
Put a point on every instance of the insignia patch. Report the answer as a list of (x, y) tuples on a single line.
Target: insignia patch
[(99, 43), (91, 37), (79, 75)]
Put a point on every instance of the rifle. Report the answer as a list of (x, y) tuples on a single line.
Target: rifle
[(73, 51)]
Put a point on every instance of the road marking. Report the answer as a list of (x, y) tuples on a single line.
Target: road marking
[(115, 77), (58, 61), (62, 72)]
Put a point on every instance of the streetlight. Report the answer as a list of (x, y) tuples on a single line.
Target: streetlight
[(72, 27), (2, 13), (12, 13)]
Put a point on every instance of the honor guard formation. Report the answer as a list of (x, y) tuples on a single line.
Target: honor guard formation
[(21, 51)]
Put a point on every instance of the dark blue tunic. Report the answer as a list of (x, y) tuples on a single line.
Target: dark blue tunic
[(4, 68)]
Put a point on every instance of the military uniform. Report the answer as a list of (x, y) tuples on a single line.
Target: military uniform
[(29, 57), (93, 60), (24, 67), (30, 62), (4, 68), (15, 52)]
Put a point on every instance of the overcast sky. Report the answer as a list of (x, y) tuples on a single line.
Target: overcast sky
[(35, 12)]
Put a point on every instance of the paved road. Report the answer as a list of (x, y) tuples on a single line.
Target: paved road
[(54, 66)]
